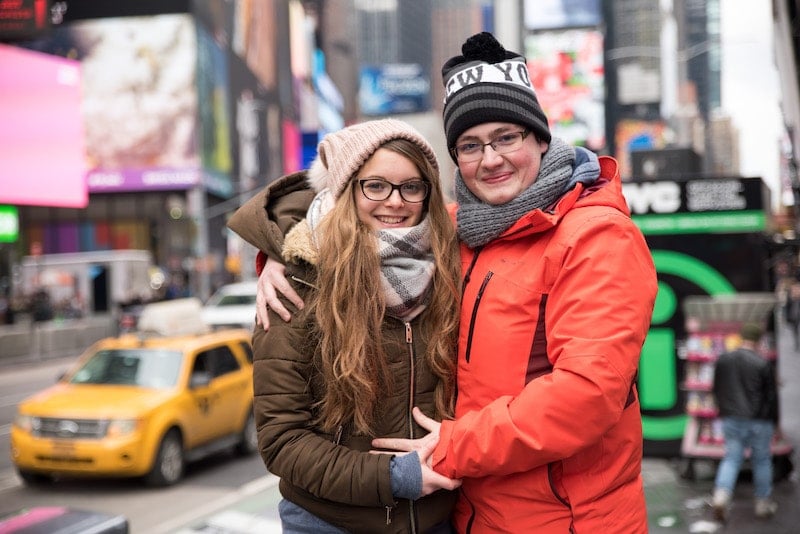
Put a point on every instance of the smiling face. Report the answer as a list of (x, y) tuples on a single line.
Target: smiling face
[(394, 212), (500, 178)]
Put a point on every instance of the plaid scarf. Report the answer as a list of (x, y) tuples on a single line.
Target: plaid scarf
[(406, 269), (407, 265)]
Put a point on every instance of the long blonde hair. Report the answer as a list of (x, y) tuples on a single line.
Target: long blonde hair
[(350, 307)]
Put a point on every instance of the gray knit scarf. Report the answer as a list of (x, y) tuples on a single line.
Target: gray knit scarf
[(479, 222), (407, 269)]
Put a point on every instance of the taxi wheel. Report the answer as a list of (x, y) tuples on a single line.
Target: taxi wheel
[(170, 462), (248, 439), (35, 479)]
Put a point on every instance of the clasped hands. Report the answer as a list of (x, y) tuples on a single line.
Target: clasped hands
[(431, 480)]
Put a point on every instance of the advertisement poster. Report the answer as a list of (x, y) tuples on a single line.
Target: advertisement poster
[(215, 115), (394, 88), (636, 135), (41, 130), (567, 72), (139, 101)]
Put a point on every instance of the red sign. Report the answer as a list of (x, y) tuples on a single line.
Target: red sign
[(24, 18), (36, 248)]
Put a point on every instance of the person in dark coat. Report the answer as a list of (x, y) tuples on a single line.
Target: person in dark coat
[(746, 391)]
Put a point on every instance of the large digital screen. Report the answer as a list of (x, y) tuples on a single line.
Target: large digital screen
[(138, 100), (41, 131), (23, 18), (567, 73)]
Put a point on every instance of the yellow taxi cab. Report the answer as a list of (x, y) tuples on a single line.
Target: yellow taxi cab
[(142, 404)]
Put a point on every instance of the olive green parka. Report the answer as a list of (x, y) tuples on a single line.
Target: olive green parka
[(332, 475)]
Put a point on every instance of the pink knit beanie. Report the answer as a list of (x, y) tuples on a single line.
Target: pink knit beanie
[(341, 154)]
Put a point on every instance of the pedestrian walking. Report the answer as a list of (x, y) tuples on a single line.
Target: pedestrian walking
[(746, 392)]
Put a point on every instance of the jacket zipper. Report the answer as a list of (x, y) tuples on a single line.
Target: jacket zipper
[(301, 281), (474, 315), (412, 381), (412, 386), (472, 262)]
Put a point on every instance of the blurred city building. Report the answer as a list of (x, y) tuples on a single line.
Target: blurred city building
[(189, 106)]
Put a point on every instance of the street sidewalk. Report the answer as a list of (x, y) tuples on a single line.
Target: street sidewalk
[(674, 504)]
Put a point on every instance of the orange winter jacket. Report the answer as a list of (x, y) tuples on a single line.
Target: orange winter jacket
[(548, 435)]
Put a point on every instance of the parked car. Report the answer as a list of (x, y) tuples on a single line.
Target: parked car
[(232, 306), (142, 404)]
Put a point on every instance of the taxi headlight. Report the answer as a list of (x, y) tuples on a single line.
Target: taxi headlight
[(28, 423), (118, 428)]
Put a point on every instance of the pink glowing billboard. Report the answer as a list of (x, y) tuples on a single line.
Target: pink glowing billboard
[(41, 130)]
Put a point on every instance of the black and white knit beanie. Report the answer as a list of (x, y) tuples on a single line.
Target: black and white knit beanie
[(487, 83)]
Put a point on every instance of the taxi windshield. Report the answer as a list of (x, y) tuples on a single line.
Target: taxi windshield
[(150, 368)]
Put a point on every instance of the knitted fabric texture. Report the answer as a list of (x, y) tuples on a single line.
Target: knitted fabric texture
[(407, 269), (479, 222), (341, 154), (407, 264), (487, 83)]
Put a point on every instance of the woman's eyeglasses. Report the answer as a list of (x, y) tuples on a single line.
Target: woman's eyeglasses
[(377, 189)]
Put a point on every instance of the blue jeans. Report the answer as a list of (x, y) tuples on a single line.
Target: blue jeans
[(298, 520), (740, 434)]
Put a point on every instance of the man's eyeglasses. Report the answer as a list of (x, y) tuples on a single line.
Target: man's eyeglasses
[(502, 144), (378, 190)]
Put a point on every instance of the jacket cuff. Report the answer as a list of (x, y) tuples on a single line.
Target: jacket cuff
[(406, 476), (439, 456)]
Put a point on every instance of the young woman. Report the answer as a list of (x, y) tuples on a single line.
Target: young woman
[(376, 261)]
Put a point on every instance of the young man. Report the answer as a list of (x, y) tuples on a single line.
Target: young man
[(747, 396), (558, 292)]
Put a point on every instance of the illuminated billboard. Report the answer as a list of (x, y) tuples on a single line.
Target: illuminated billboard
[(393, 88), (567, 72), (41, 131), (23, 18), (633, 134), (139, 100), (9, 224)]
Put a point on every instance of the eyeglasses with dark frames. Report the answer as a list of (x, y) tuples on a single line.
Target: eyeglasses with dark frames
[(502, 144), (378, 189)]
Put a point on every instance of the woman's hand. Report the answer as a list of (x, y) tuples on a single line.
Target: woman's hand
[(271, 282)]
